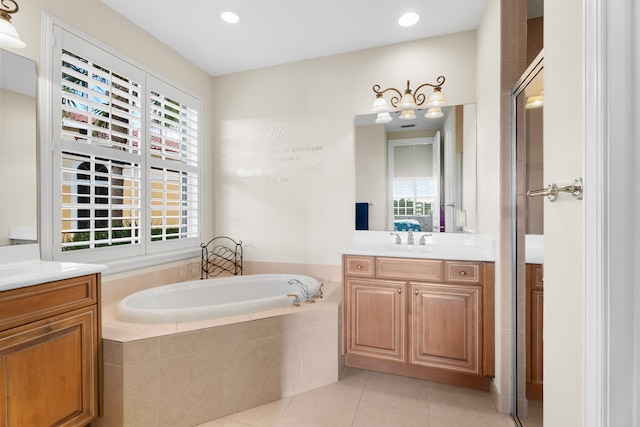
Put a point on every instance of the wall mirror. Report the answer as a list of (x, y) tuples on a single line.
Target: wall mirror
[(417, 174), (18, 157)]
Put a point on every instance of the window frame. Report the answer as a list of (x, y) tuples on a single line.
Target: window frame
[(124, 257)]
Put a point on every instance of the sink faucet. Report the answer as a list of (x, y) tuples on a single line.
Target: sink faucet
[(423, 241), (308, 296), (410, 237)]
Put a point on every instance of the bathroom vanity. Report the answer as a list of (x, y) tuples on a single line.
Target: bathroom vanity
[(49, 343), (419, 311)]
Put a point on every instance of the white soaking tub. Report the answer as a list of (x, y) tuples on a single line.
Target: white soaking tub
[(212, 298)]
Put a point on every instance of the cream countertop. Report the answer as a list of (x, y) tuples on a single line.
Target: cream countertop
[(451, 246), (21, 266)]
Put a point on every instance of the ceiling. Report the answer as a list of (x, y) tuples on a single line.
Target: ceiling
[(273, 32)]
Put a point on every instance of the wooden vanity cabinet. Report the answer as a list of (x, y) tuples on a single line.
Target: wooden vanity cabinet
[(49, 352), (429, 319), (534, 315)]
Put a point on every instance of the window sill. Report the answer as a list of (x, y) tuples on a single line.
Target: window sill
[(146, 261)]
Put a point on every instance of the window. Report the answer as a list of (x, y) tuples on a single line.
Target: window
[(412, 196), (125, 160)]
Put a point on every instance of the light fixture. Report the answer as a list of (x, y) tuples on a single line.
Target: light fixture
[(230, 16), (8, 34), (407, 115), (409, 101), (434, 113), (535, 101), (408, 19), (383, 117)]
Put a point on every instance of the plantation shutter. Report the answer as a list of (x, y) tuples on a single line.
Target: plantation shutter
[(173, 163), (125, 161)]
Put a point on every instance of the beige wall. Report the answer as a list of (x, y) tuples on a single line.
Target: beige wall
[(286, 201), (488, 172), (371, 169)]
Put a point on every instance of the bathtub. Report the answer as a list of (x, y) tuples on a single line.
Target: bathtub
[(212, 298)]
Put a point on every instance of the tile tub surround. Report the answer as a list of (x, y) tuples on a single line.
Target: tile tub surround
[(189, 373)]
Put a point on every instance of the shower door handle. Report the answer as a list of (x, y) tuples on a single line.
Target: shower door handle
[(552, 191)]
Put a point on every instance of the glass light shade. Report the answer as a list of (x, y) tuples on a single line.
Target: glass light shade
[(407, 115), (535, 101), (9, 35), (383, 117), (407, 102), (380, 105), (436, 99), (434, 113)]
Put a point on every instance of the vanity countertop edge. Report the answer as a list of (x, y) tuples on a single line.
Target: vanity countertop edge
[(17, 275)]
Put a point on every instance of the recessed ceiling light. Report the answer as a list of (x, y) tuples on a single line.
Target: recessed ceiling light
[(230, 16), (408, 19)]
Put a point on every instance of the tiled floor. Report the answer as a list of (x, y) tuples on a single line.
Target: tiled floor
[(534, 418), (372, 399)]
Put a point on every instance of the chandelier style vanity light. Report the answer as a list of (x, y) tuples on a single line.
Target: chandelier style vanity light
[(408, 102), (8, 34)]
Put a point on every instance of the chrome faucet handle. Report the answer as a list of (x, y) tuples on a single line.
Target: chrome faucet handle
[(296, 299), (398, 239), (423, 241)]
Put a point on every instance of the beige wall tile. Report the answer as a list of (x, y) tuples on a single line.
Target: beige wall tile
[(135, 352), (319, 357), (113, 397), (141, 395), (198, 387), (319, 317), (112, 352), (269, 369)]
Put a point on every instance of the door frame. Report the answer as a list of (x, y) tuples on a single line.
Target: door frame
[(611, 347)]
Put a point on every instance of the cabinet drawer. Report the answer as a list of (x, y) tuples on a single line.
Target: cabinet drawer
[(463, 272), (361, 266), (409, 269), (32, 303)]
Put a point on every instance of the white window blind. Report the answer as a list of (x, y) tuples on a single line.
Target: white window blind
[(126, 158), (173, 163)]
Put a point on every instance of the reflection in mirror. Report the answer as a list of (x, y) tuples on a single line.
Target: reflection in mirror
[(527, 105), (417, 175), (18, 176)]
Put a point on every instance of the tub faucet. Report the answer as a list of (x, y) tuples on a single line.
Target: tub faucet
[(308, 296)]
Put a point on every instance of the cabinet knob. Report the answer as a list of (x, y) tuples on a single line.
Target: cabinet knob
[(359, 267), (463, 273), (416, 292), (399, 290)]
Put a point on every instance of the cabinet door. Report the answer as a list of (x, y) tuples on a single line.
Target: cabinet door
[(446, 326), (47, 374), (376, 318), (535, 303)]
